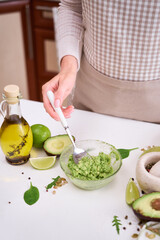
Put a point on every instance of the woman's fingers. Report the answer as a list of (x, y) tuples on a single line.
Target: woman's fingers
[(49, 109), (46, 103), (67, 111), (65, 86), (61, 85)]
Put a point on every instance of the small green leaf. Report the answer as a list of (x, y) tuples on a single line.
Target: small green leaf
[(116, 222), (125, 152), (50, 185), (31, 196)]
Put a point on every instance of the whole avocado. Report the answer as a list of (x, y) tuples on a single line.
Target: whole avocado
[(147, 207)]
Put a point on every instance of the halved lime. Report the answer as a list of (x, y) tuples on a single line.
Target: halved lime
[(132, 192), (43, 163)]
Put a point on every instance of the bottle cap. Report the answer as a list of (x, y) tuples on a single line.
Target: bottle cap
[(11, 93)]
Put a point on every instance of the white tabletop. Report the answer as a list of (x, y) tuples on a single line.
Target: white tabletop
[(72, 213)]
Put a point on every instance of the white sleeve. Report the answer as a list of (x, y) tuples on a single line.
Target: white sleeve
[(69, 29)]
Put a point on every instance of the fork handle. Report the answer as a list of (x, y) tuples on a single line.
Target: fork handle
[(58, 110)]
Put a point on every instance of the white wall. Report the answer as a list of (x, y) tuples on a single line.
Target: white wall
[(12, 57)]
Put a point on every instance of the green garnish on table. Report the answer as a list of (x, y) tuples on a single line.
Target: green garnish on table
[(116, 222), (31, 196), (53, 183), (125, 152)]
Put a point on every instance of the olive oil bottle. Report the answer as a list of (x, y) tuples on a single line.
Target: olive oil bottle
[(15, 134)]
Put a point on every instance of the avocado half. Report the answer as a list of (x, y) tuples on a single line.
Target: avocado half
[(147, 207), (56, 144)]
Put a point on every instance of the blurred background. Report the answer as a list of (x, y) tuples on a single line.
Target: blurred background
[(27, 45)]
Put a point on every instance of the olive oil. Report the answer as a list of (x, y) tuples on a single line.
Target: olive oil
[(16, 139)]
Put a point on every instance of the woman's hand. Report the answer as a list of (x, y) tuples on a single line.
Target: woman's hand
[(61, 85)]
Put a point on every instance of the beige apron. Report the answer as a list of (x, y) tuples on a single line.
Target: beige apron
[(128, 99)]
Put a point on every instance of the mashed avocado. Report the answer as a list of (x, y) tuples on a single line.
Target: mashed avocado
[(94, 168)]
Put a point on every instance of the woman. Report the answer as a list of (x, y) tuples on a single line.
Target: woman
[(110, 48)]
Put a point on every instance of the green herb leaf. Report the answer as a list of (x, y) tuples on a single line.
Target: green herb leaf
[(125, 152), (116, 222), (50, 185), (31, 196)]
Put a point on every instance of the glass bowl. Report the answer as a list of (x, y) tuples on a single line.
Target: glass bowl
[(93, 147)]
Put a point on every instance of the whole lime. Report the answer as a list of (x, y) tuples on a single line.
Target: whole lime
[(40, 134)]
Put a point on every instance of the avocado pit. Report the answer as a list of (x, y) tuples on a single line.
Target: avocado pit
[(155, 204)]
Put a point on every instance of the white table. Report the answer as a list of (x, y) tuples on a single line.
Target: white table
[(72, 213)]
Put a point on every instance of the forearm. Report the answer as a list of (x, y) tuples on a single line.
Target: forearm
[(69, 29), (69, 63)]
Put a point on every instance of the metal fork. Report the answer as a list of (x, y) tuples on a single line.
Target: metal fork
[(78, 153)]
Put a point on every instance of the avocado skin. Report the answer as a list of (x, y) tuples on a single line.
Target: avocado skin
[(139, 212), (50, 154), (50, 138), (146, 218)]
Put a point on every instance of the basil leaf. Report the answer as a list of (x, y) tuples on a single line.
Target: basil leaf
[(50, 185), (31, 196), (125, 152)]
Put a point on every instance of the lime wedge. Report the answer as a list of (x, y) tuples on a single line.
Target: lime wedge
[(132, 192), (43, 163)]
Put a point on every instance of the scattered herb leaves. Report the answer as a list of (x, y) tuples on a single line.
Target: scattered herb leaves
[(116, 222), (125, 152), (31, 196), (50, 185)]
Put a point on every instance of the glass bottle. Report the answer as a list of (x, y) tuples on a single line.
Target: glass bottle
[(15, 134)]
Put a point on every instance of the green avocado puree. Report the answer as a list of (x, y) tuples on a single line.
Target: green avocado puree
[(94, 168)]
